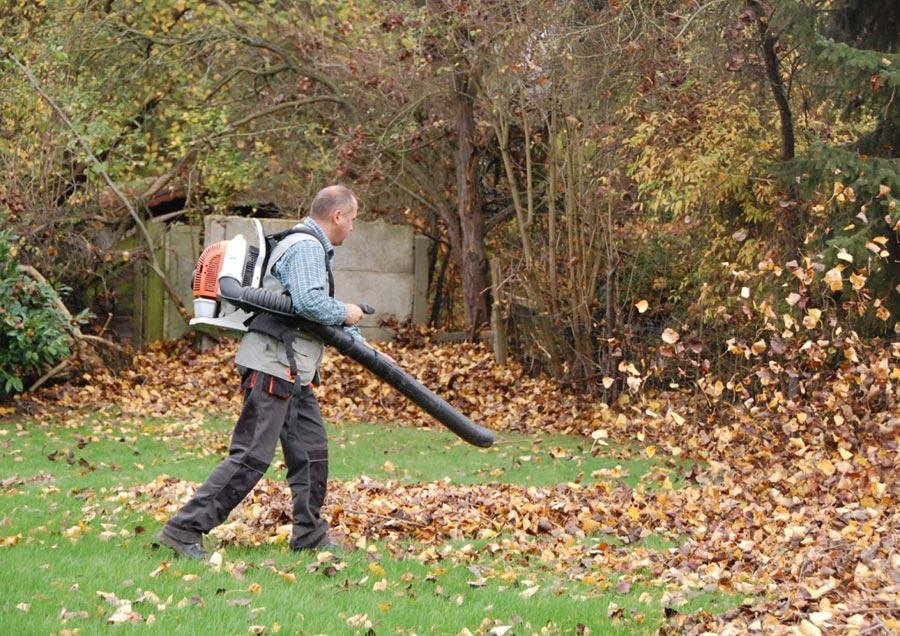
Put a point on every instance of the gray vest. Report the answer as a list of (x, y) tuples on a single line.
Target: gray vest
[(264, 353)]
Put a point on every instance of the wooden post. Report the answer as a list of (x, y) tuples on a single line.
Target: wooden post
[(181, 249), (420, 280), (498, 325), (153, 291)]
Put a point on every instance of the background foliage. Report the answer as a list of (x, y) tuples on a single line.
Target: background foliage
[(633, 167), (33, 332)]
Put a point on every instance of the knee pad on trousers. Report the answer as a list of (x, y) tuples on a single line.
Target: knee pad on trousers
[(318, 479), (241, 483)]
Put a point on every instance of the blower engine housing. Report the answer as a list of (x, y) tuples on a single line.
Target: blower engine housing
[(235, 258)]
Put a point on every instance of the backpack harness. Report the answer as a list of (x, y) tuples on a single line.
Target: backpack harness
[(271, 324)]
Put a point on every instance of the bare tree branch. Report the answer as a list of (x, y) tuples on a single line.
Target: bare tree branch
[(71, 327), (246, 35)]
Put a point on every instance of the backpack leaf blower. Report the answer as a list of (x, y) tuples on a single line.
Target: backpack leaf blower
[(231, 271)]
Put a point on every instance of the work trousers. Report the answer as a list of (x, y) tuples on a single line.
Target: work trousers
[(270, 412)]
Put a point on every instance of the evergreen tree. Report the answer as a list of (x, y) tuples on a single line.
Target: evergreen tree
[(847, 53)]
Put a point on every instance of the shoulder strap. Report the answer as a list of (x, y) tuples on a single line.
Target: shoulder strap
[(274, 239)]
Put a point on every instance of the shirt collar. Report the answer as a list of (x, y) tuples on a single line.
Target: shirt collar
[(320, 234)]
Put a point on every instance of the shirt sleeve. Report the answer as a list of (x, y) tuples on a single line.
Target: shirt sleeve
[(302, 272)]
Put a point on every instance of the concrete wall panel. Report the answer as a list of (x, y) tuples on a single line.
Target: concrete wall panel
[(376, 264)]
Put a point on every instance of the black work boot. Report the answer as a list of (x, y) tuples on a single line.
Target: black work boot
[(325, 544), (182, 548)]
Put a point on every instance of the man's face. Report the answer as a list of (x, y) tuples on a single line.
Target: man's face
[(343, 224)]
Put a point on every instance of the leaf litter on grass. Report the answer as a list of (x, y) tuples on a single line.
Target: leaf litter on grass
[(794, 503)]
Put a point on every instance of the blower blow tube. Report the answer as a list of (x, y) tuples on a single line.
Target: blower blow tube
[(255, 300)]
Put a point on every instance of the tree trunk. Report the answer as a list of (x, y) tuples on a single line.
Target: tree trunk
[(776, 84), (470, 258)]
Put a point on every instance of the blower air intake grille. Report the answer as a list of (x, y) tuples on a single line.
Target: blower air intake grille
[(207, 271), (252, 255)]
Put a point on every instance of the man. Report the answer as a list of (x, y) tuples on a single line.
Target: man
[(278, 400)]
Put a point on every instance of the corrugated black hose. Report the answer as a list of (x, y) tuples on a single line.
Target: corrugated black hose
[(254, 300)]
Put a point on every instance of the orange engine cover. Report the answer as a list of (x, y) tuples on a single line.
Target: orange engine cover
[(206, 274)]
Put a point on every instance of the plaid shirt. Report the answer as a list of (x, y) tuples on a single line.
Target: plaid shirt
[(302, 272)]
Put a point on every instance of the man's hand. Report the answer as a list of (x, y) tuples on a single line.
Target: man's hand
[(354, 314)]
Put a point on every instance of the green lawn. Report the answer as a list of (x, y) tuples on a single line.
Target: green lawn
[(72, 553)]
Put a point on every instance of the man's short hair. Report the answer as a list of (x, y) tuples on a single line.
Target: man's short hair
[(331, 198)]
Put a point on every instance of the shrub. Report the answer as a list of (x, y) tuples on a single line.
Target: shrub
[(33, 332)]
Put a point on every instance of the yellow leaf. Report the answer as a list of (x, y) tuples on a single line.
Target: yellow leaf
[(714, 389), (826, 467), (254, 588), (808, 629), (822, 590), (811, 319), (833, 279), (530, 591), (162, 568), (376, 569), (642, 306), (818, 618), (670, 336), (389, 467), (634, 513), (650, 451), (589, 525), (758, 347)]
